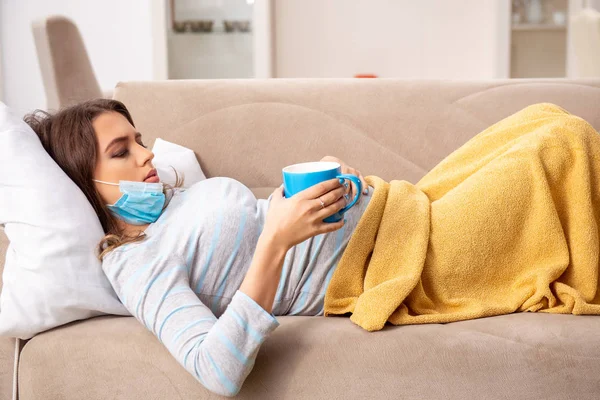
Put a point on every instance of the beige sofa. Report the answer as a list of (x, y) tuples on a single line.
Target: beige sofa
[(396, 129)]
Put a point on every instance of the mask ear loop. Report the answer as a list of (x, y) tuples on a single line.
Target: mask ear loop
[(106, 183)]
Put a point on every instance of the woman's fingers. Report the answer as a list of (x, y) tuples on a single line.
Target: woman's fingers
[(365, 185), (319, 189), (362, 181), (352, 188), (277, 194), (326, 227), (330, 208), (332, 196)]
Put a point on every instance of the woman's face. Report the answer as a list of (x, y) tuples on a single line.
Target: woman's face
[(122, 155)]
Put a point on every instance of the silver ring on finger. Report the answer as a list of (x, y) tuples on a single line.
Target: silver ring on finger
[(347, 197), (322, 204)]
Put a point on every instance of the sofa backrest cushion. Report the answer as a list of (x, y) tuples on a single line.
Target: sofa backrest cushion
[(396, 129)]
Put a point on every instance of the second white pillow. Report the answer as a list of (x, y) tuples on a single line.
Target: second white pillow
[(167, 155)]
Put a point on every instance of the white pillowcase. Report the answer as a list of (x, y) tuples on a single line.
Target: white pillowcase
[(51, 274), (167, 155)]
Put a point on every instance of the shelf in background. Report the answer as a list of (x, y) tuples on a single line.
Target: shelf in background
[(213, 32), (538, 27)]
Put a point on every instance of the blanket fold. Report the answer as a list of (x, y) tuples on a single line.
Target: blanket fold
[(506, 223)]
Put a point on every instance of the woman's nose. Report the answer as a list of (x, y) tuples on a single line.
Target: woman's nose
[(147, 155)]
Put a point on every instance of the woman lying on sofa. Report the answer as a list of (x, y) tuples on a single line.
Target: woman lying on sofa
[(208, 276), (508, 222)]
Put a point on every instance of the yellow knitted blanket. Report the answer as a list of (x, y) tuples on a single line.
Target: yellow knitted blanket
[(506, 223)]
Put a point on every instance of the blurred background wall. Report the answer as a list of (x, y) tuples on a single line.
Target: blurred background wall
[(199, 39), (410, 39), (117, 33)]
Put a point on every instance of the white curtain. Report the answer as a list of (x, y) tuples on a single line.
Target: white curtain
[(583, 40)]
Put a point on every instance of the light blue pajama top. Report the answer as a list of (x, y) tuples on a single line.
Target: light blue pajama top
[(182, 281)]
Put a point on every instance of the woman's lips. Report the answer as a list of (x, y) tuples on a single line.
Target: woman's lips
[(152, 179)]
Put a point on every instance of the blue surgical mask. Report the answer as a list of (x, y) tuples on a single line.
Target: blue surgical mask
[(140, 204)]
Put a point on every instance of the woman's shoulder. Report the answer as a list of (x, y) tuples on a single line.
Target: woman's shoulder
[(218, 187), (134, 254), (128, 249), (119, 255), (216, 181)]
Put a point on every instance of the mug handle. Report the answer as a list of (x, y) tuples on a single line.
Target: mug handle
[(358, 184)]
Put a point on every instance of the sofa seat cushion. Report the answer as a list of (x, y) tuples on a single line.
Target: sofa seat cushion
[(511, 356)]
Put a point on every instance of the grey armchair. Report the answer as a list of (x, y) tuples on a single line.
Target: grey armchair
[(66, 69)]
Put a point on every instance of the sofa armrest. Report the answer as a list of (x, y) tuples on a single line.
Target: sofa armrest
[(7, 367)]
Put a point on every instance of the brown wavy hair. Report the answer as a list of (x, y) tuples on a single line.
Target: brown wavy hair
[(69, 138)]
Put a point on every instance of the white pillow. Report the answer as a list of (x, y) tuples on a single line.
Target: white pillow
[(167, 155), (51, 273)]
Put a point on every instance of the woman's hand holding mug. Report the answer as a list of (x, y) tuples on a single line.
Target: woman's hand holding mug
[(290, 221), (311, 201)]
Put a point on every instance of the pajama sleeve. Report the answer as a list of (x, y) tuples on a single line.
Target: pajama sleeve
[(220, 353)]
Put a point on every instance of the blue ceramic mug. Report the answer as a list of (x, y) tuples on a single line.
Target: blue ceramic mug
[(301, 176)]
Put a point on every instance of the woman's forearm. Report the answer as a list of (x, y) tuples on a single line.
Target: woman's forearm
[(262, 279)]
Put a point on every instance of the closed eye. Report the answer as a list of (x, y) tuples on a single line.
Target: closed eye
[(121, 154), (125, 152)]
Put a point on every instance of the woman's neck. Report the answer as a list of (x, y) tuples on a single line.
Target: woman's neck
[(130, 230)]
